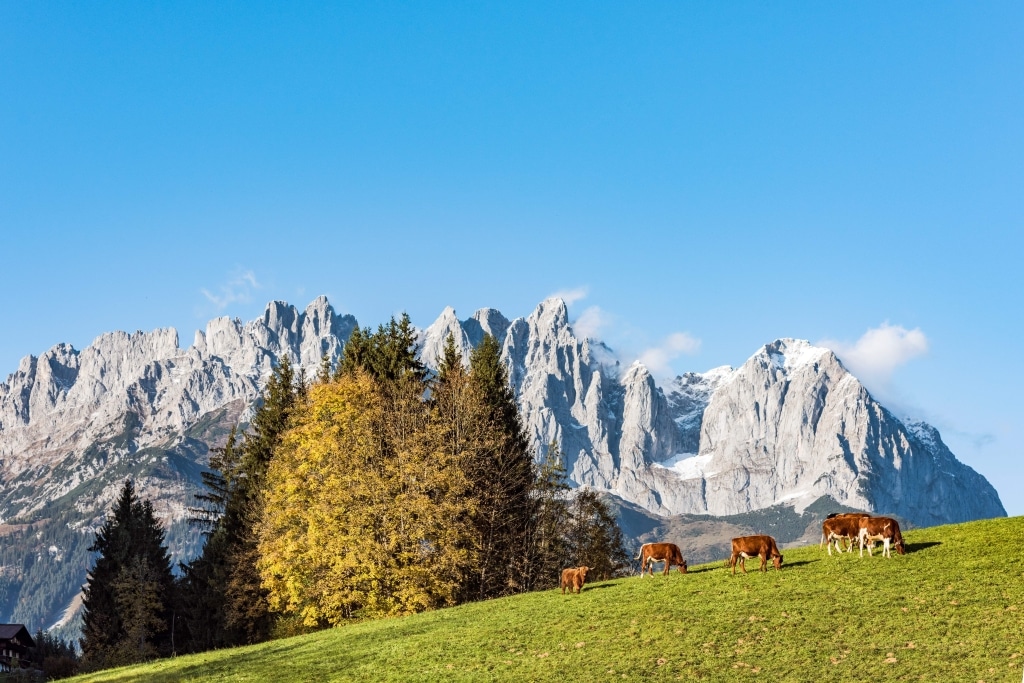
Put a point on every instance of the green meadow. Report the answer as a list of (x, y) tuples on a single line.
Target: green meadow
[(951, 609)]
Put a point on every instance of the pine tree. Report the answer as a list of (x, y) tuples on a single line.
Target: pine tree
[(502, 478), (201, 604), (595, 539), (222, 600), (549, 545), (128, 592), (246, 608), (140, 603), (389, 354), (57, 658)]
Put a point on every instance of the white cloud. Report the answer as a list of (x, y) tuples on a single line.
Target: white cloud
[(571, 296), (591, 322), (659, 358), (238, 288), (875, 356)]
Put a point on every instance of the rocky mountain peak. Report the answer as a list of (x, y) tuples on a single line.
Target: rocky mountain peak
[(432, 339), (486, 321), (551, 315)]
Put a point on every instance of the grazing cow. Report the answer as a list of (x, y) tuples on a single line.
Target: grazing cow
[(884, 529), (573, 579), (755, 546), (668, 553), (841, 526)]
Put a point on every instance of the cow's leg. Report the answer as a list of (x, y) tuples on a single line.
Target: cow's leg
[(885, 548), (732, 561), (861, 538), (668, 566), (764, 561)]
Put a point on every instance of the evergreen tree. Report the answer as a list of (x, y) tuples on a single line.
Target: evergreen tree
[(57, 658), (222, 600), (595, 539), (246, 608), (355, 354), (140, 604), (201, 605), (502, 479), (549, 543), (128, 592), (389, 354)]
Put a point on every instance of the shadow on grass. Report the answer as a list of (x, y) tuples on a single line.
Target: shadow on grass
[(917, 547), (797, 564)]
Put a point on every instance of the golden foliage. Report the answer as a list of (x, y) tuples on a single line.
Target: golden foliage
[(365, 509)]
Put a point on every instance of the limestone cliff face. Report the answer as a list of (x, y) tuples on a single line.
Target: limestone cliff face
[(789, 426), (792, 424), (68, 417)]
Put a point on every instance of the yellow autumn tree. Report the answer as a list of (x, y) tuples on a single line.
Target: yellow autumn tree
[(363, 514)]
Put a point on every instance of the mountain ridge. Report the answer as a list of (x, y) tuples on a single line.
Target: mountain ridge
[(789, 426)]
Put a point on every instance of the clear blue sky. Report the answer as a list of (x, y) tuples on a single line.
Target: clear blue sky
[(735, 173)]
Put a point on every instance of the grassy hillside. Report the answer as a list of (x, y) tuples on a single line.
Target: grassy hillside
[(952, 609)]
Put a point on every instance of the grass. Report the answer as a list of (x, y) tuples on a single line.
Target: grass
[(951, 609)]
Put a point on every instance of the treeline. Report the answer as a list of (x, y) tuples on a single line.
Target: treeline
[(374, 489), (33, 578)]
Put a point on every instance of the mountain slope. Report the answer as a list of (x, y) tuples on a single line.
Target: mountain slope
[(944, 611)]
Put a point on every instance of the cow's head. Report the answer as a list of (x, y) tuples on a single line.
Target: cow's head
[(899, 546), (682, 566), (583, 573), (777, 561)]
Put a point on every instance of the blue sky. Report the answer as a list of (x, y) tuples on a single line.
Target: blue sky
[(698, 180)]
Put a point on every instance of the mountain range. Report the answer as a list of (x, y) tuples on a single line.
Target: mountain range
[(789, 434)]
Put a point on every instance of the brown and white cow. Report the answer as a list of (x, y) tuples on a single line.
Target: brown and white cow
[(884, 529), (841, 526), (669, 553), (573, 579), (755, 546)]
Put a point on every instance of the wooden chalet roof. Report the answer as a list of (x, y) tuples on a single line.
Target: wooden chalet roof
[(12, 631)]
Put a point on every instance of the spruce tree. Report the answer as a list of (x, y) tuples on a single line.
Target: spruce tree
[(201, 602), (594, 537), (127, 596), (549, 545), (502, 478), (57, 657), (389, 354), (222, 600), (246, 608)]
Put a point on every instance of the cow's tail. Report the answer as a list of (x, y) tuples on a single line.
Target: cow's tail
[(641, 553)]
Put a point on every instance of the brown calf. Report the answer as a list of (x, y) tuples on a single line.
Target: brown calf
[(755, 546), (573, 579), (884, 529), (668, 553)]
